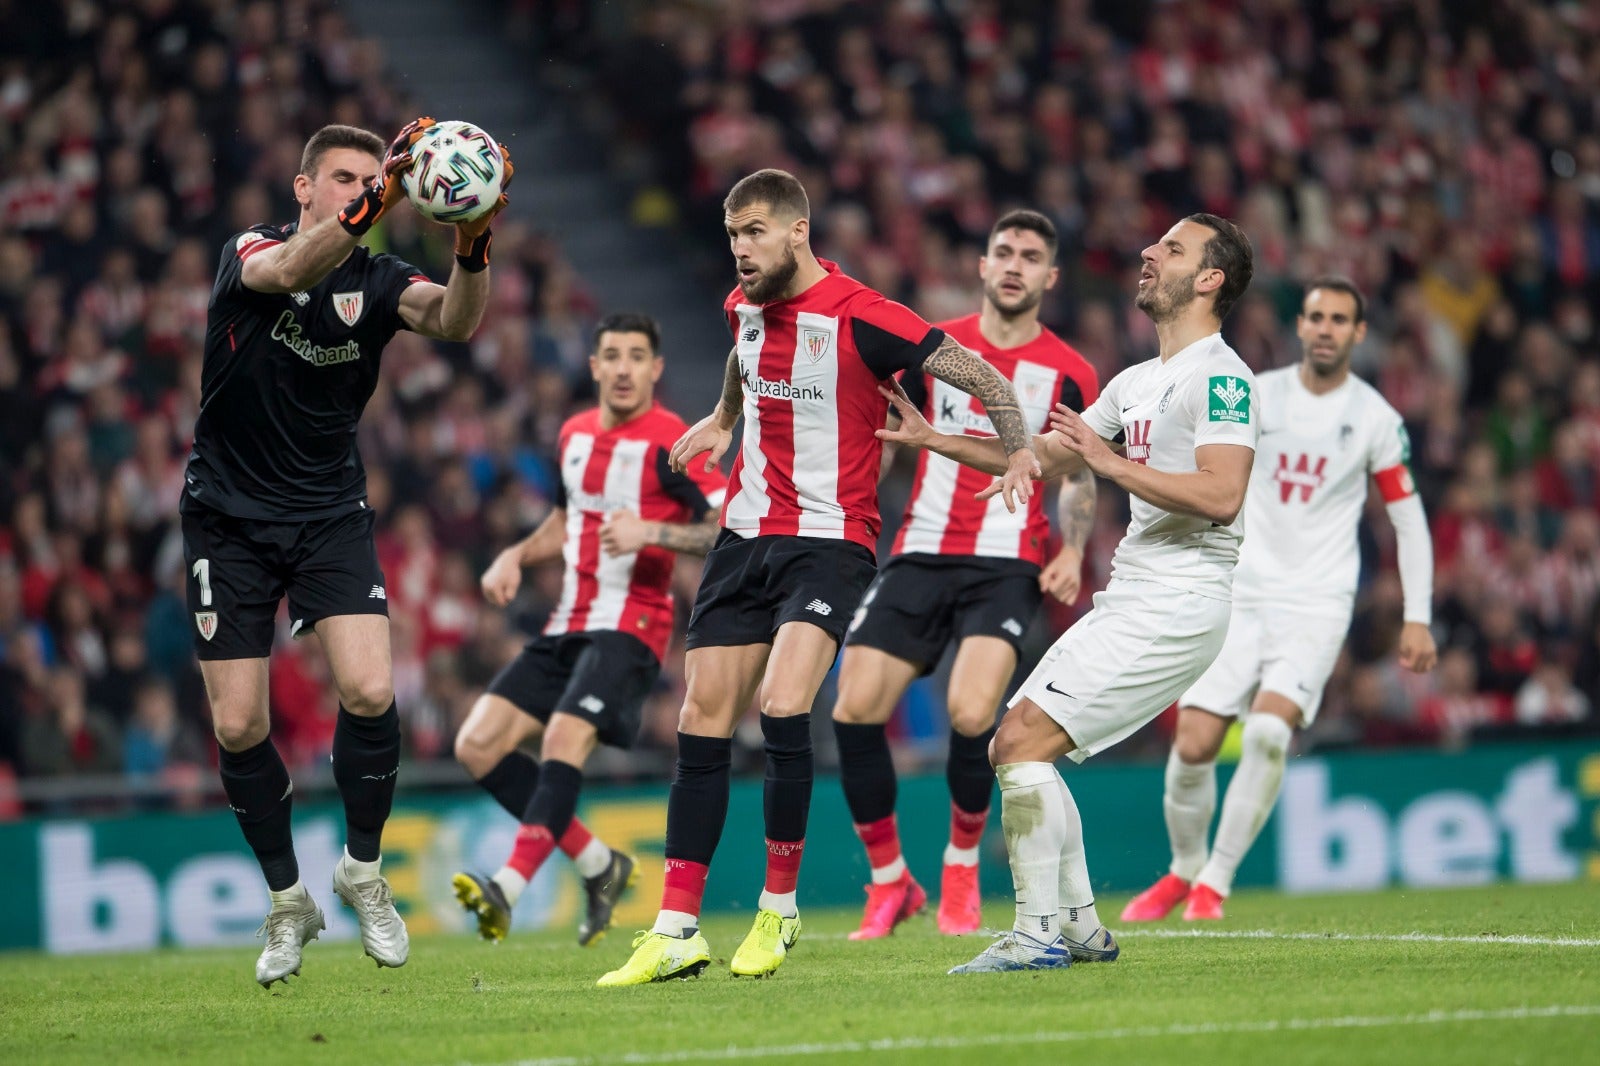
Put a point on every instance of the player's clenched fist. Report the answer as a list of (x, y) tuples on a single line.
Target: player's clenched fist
[(503, 578), (1062, 577), (624, 533), (706, 435)]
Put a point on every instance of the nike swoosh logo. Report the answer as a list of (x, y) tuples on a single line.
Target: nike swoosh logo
[(1051, 686), (1128, 408)]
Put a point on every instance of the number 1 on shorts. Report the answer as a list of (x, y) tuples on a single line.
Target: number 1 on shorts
[(202, 570)]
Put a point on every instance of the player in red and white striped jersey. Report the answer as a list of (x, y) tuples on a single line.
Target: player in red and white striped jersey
[(811, 348), (966, 571), (620, 514)]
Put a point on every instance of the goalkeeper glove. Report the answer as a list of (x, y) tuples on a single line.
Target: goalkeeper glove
[(361, 213), (473, 238)]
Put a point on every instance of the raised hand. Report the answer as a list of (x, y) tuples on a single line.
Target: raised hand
[(1076, 435), (913, 430), (503, 578), (706, 435)]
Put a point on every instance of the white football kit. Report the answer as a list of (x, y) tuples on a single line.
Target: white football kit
[(1162, 617), (1295, 586)]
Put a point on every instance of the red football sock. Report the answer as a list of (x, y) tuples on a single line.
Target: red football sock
[(533, 847), (882, 839), (575, 839), (685, 886), (783, 864), (966, 828)]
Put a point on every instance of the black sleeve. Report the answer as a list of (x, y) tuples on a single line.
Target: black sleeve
[(229, 283), (681, 488), (915, 384), (886, 354), (559, 498), (1071, 394)]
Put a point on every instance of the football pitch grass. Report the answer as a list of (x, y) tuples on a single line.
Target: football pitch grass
[(1492, 975)]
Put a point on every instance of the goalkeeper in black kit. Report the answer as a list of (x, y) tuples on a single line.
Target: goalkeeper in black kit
[(275, 503)]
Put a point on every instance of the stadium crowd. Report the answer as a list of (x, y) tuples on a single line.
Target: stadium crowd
[(1447, 156)]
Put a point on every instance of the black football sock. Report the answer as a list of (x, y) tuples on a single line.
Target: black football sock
[(866, 769), (786, 801), (512, 783), (261, 795), (968, 772), (697, 805), (366, 760), (555, 801)]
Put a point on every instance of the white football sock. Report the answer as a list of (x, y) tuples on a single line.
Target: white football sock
[(782, 902), (675, 923), (1035, 827), (888, 875), (361, 872), (289, 897), (1075, 895), (1251, 795), (954, 856), (1189, 802), (511, 883), (593, 859)]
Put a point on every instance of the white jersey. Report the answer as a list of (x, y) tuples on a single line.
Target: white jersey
[(1203, 394), (1309, 487)]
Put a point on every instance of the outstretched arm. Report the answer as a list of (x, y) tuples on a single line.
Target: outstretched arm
[(987, 454), (966, 370)]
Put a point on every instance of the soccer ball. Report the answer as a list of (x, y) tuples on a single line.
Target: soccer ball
[(457, 173)]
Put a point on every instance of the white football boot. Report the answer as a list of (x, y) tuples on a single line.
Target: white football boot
[(288, 928), (383, 934)]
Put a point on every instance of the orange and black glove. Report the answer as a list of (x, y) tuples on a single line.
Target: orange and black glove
[(473, 238), (361, 213)]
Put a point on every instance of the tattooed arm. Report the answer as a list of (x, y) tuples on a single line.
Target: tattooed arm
[(714, 432), (625, 532), (967, 371), (1063, 575)]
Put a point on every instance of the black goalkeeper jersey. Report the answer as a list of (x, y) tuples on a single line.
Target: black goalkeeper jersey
[(284, 382)]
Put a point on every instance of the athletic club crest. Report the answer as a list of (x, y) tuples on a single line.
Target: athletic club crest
[(206, 623), (814, 342), (347, 305)]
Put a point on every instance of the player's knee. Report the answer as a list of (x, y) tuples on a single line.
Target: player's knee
[(477, 750), (782, 704), (1006, 745), (239, 732), (1194, 749), (857, 707), (367, 696), (1267, 736), (971, 718)]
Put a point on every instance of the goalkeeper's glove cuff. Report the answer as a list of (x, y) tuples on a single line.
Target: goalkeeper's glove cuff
[(472, 253), (359, 214)]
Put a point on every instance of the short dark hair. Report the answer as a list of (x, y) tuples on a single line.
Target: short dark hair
[(778, 189), (629, 322), (1227, 250), (337, 136), (1339, 283), (1022, 218)]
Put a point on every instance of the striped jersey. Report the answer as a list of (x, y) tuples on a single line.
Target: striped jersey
[(811, 367), (623, 468), (942, 517)]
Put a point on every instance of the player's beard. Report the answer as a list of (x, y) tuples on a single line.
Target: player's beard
[(1021, 305), (1341, 359), (768, 285), (1165, 299)]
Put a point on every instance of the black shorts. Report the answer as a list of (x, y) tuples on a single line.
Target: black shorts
[(601, 676), (920, 603), (240, 568), (751, 586)]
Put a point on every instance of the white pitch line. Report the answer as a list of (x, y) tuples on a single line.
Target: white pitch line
[(731, 1053), (1388, 938), (1269, 934)]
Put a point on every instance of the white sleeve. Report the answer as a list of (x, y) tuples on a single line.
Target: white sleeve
[(1104, 416), (1224, 408), (1414, 548)]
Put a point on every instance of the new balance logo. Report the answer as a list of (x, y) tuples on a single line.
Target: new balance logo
[(750, 334), (377, 593), (592, 704), (1012, 626), (821, 608)]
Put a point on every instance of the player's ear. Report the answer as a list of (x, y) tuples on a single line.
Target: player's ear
[(983, 268), (1360, 333), (657, 366), (1209, 280), (302, 190), (800, 231), (1051, 278), (594, 367)]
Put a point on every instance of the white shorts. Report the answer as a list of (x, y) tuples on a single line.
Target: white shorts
[(1288, 652), (1125, 661)]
